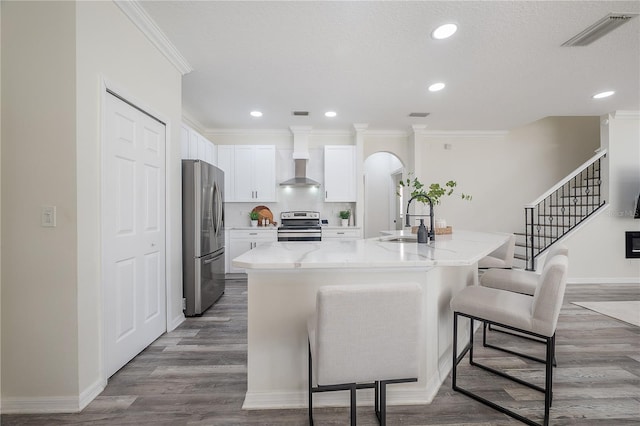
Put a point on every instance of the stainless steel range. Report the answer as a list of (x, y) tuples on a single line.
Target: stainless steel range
[(300, 226)]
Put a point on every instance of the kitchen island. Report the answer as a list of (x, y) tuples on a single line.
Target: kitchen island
[(283, 278)]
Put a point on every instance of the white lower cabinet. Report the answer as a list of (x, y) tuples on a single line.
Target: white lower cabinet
[(341, 234), (243, 240)]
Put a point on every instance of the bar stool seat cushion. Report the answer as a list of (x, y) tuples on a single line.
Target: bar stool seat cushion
[(537, 314), (502, 257), (516, 280), (503, 307)]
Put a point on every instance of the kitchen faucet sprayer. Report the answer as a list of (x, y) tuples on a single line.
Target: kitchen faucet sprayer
[(431, 233)]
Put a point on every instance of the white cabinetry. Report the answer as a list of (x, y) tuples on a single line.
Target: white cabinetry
[(243, 240), (225, 162), (251, 170), (194, 146), (341, 234), (340, 173)]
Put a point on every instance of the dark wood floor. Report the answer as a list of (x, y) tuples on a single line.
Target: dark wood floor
[(196, 375)]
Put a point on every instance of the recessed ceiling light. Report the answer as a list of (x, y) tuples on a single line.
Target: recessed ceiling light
[(603, 94), (256, 114), (444, 31), (436, 87), (330, 114)]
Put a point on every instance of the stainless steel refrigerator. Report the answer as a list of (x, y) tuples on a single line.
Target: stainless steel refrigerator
[(203, 260)]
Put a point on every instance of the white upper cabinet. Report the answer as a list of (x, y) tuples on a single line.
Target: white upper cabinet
[(225, 162), (340, 173), (184, 143), (251, 170), (264, 167), (194, 146)]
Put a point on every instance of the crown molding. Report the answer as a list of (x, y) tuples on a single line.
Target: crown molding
[(386, 133), (141, 19), (628, 115), (247, 132), (465, 134), (441, 134), (192, 122)]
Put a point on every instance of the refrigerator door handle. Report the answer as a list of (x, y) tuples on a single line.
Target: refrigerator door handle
[(218, 209), (211, 195)]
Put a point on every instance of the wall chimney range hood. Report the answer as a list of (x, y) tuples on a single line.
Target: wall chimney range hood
[(300, 158)]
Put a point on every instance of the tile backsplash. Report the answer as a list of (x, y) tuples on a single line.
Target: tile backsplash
[(237, 214)]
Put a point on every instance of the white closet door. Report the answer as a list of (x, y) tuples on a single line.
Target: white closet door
[(133, 232)]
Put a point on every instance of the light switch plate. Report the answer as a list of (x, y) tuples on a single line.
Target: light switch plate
[(48, 217)]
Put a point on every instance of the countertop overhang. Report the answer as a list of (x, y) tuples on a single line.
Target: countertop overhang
[(458, 249)]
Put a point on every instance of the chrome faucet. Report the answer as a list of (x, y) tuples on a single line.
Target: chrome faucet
[(431, 233)]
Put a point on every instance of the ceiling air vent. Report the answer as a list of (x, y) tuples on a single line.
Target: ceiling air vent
[(300, 113), (418, 114), (599, 29)]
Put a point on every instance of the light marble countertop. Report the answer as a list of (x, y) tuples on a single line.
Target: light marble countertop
[(275, 228), (252, 228), (339, 227), (458, 249)]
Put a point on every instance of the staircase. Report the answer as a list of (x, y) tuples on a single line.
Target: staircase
[(560, 210)]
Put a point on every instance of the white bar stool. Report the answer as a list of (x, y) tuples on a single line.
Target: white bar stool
[(364, 336), (535, 316)]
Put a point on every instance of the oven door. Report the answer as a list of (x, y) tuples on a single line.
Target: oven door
[(299, 235)]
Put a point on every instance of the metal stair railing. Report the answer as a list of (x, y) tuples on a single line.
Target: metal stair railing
[(563, 207)]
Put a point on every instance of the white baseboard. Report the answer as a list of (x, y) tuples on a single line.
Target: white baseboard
[(55, 404), (61, 404), (90, 393), (175, 322), (617, 280)]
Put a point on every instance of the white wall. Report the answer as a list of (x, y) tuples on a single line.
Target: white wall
[(504, 171), (597, 252), (0, 210), (110, 47), (54, 56), (39, 274)]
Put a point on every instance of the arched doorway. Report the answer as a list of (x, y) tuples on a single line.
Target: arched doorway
[(382, 171)]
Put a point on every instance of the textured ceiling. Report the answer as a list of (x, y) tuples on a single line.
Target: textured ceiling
[(372, 62)]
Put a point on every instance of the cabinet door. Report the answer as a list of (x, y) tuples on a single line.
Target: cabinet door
[(241, 242), (339, 173), (193, 144), (339, 234), (264, 176), (243, 173), (184, 143), (225, 162), (237, 246)]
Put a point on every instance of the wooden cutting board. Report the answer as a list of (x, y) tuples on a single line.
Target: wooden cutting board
[(263, 213)]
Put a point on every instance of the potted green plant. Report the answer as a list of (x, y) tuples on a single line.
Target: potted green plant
[(434, 191), (344, 215), (254, 216)]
